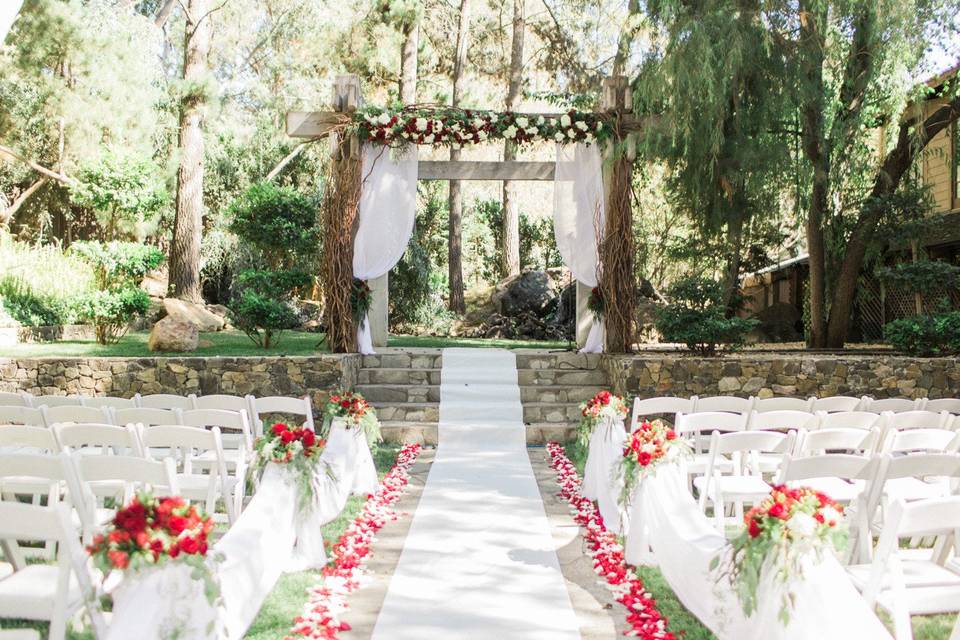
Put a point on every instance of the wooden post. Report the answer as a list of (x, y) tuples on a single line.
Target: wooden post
[(617, 251)]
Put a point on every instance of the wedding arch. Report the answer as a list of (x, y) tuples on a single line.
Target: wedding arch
[(369, 202)]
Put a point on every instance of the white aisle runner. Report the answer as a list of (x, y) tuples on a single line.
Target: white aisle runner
[(479, 561)]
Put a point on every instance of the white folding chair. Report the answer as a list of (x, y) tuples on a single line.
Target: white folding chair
[(237, 442), (729, 404), (699, 427), (782, 420), (950, 405), (187, 446), (22, 415), (56, 401), (918, 420), (841, 476), (917, 477), (273, 405), (894, 405), (15, 438), (148, 417), (832, 404), (12, 399), (743, 484), (902, 583), (44, 592), (98, 439), (912, 441), (864, 420), (76, 414), (223, 402), (838, 440), (107, 402), (663, 405), (38, 478), (163, 401), (763, 405)]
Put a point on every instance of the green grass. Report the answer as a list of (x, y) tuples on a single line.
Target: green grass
[(235, 343)]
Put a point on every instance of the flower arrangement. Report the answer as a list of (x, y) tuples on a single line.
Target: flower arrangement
[(459, 127), (297, 449), (360, 300), (328, 600), (595, 302), (603, 405), (355, 410), (152, 531), (651, 444), (781, 530), (644, 620)]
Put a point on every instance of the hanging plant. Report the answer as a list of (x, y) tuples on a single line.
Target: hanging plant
[(360, 300)]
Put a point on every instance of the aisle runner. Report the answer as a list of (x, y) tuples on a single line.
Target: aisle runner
[(479, 561)]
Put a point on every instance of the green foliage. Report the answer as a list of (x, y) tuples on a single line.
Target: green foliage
[(538, 245), (111, 310), (279, 221), (118, 263), (24, 306), (123, 189), (925, 276), (262, 317), (926, 335), (266, 281), (697, 317)]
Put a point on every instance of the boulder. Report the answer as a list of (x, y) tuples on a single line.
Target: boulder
[(197, 314), (155, 283), (529, 292), (780, 322), (173, 334)]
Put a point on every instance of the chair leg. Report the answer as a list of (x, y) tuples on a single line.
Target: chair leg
[(901, 624)]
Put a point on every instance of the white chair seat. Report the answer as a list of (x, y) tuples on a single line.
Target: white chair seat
[(102, 516), (843, 491), (910, 489), (30, 593), (916, 573), (197, 484), (735, 487)]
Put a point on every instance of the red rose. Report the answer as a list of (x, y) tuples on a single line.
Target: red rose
[(644, 458), (133, 518), (778, 511), (287, 437), (345, 404), (754, 528), (177, 524), (671, 434), (118, 559), (119, 536), (308, 438), (190, 546), (278, 428), (174, 550)]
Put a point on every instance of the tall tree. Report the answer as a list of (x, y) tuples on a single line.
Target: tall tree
[(410, 30), (511, 211), (188, 222), (456, 302)]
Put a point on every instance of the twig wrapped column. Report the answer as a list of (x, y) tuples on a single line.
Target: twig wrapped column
[(617, 250)]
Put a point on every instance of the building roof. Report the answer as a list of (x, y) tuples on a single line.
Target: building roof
[(782, 264)]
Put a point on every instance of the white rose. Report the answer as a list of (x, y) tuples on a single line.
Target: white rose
[(456, 145), (599, 126), (522, 122), (589, 138), (649, 448), (510, 132), (802, 524), (571, 133), (558, 136), (421, 124), (540, 121), (428, 139), (581, 125), (532, 131), (437, 124), (482, 135), (478, 122), (384, 118), (372, 119), (831, 515), (564, 121)]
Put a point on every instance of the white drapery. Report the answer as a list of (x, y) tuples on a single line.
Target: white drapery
[(601, 481), (578, 219), (388, 208), (825, 605), (270, 537)]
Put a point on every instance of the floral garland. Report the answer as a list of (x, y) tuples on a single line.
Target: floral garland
[(152, 531), (643, 617), (327, 601), (447, 126), (360, 300), (646, 448), (603, 405), (781, 530), (356, 411), (298, 450)]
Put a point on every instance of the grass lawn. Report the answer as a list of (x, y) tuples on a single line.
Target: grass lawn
[(236, 343)]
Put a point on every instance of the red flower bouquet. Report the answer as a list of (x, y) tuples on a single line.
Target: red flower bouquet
[(651, 444), (355, 411), (777, 533), (152, 531), (297, 449), (604, 405)]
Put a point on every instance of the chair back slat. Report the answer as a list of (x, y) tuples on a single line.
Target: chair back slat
[(52, 401), (40, 438), (850, 420), (74, 413), (764, 405), (14, 399), (730, 404), (785, 420), (149, 417), (22, 415), (833, 404), (103, 437), (164, 401), (107, 402)]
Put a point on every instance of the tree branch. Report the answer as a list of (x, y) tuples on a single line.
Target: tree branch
[(6, 216), (59, 177)]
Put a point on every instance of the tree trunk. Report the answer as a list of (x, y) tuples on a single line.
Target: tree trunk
[(511, 212), (456, 301), (626, 39), (896, 164), (731, 282), (408, 62), (188, 221)]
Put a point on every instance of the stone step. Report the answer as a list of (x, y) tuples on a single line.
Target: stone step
[(403, 360), (408, 411), (563, 360), (574, 394), (562, 377), (398, 393), (551, 412), (398, 376), (426, 433)]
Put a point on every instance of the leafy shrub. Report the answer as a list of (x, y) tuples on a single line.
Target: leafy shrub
[(23, 306), (110, 311), (119, 268), (697, 317), (281, 225), (926, 335)]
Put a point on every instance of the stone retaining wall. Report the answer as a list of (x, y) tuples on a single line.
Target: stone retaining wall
[(799, 375), (124, 377)]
